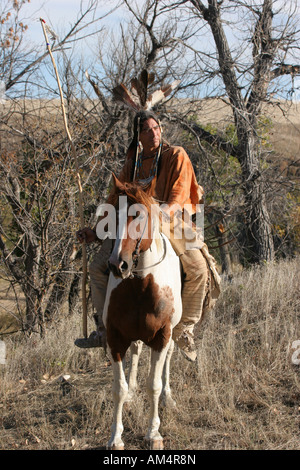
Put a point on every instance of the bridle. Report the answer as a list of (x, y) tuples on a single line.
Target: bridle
[(136, 253)]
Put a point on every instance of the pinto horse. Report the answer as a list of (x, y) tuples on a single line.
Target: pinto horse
[(143, 304)]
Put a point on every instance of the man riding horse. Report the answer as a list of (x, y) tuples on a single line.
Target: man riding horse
[(150, 158)]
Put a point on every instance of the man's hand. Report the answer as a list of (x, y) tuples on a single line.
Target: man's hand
[(86, 234)]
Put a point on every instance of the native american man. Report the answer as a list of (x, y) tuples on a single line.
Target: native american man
[(175, 184)]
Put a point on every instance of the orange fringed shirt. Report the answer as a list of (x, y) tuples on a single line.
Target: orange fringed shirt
[(176, 182)]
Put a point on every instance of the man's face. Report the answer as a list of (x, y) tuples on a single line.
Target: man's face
[(150, 135)]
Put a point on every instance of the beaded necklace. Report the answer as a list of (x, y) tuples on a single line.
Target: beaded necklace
[(154, 167)]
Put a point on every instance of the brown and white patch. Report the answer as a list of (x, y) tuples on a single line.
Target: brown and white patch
[(139, 309)]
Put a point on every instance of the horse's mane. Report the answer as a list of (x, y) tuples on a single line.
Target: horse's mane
[(136, 194), (139, 193)]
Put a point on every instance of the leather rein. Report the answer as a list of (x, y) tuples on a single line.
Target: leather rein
[(136, 253)]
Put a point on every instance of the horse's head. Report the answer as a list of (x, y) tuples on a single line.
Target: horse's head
[(134, 206)]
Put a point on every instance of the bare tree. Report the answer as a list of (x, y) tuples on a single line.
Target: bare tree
[(247, 81), (38, 195)]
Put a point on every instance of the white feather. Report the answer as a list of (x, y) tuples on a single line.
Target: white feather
[(161, 94)]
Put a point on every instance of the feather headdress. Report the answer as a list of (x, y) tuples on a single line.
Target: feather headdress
[(137, 98)]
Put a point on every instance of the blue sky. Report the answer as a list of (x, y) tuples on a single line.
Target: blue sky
[(60, 14)]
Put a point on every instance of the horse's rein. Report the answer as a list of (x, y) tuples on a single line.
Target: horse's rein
[(133, 271), (136, 253)]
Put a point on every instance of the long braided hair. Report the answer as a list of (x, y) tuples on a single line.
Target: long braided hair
[(134, 146), (138, 100)]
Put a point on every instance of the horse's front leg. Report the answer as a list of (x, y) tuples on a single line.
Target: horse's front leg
[(135, 352), (119, 390), (154, 388)]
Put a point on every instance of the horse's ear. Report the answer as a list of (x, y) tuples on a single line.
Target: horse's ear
[(117, 183)]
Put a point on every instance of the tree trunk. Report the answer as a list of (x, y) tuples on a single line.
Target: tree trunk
[(224, 250), (258, 231), (31, 283)]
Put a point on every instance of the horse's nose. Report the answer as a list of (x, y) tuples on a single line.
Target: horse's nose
[(123, 267), (119, 268)]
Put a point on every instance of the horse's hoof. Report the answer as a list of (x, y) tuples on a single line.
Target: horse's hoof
[(156, 444), (120, 447)]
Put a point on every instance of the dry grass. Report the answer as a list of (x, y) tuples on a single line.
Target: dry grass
[(244, 392)]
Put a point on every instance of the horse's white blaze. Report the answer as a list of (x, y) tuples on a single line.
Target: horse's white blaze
[(121, 233)]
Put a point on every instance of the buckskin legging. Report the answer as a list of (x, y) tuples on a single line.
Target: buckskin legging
[(195, 283)]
